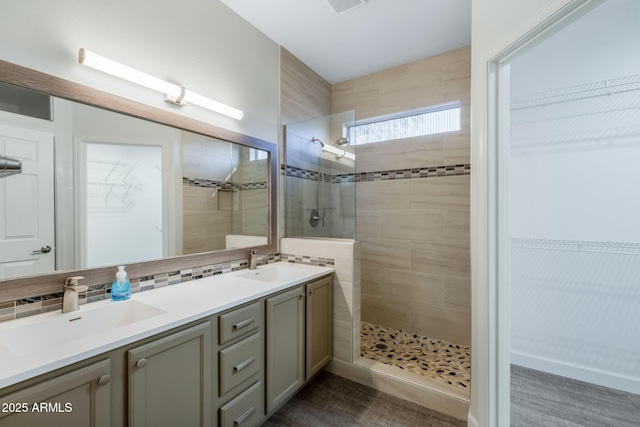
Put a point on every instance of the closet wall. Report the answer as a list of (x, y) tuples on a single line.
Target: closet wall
[(575, 243)]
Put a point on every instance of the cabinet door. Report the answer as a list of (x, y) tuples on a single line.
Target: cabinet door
[(80, 398), (285, 346), (170, 380), (319, 324)]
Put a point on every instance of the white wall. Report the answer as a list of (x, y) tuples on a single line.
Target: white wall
[(573, 177), (201, 45), (582, 189), (603, 44), (496, 25)]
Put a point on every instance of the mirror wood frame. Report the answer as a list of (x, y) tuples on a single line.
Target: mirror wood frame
[(24, 287)]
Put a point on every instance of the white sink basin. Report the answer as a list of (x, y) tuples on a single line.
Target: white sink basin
[(272, 272), (38, 333)]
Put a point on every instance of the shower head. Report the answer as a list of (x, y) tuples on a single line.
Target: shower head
[(339, 141)]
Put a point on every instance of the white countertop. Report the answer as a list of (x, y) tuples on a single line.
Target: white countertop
[(183, 303)]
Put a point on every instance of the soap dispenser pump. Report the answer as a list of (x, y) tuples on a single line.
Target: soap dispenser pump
[(121, 288)]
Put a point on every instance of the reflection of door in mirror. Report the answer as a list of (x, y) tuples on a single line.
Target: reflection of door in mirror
[(122, 209), (27, 214)]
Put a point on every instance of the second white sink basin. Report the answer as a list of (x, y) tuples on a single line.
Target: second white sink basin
[(272, 272), (44, 331)]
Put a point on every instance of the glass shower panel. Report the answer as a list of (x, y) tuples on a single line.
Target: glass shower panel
[(320, 166)]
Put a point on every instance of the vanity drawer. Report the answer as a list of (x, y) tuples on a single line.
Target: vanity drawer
[(240, 361), (239, 322), (244, 410)]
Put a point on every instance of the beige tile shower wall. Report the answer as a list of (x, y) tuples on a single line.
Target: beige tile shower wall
[(255, 209), (414, 233), (304, 95), (346, 288), (206, 220)]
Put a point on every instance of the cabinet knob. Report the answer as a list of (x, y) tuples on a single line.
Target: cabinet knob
[(103, 380), (141, 363), (300, 296)]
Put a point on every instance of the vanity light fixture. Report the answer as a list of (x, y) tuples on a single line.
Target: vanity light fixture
[(174, 94)]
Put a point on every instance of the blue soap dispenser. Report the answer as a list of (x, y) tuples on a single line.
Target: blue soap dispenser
[(121, 288)]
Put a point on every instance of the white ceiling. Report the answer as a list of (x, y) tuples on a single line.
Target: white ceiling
[(375, 36)]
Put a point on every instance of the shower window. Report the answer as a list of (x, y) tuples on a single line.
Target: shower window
[(425, 121)]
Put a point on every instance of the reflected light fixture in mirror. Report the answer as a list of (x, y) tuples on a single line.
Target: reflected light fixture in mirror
[(174, 94)]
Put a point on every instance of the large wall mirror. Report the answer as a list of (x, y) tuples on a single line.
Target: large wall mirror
[(107, 181)]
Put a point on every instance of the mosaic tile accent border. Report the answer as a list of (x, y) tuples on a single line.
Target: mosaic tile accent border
[(208, 183), (306, 259), (305, 174), (11, 310), (425, 172)]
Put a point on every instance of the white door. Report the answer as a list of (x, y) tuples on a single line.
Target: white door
[(27, 204)]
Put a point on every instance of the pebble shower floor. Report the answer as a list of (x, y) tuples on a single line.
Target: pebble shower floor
[(436, 359)]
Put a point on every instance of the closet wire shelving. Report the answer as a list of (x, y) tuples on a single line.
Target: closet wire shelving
[(111, 185), (591, 110)]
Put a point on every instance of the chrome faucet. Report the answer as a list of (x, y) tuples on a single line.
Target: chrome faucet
[(253, 260), (71, 289)]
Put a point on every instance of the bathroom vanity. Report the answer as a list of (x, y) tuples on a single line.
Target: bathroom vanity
[(226, 350)]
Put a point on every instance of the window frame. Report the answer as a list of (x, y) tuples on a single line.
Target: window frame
[(346, 128)]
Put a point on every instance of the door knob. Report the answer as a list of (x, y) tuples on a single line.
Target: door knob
[(42, 250)]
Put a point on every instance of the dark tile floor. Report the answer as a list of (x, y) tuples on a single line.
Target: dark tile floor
[(539, 399), (330, 400)]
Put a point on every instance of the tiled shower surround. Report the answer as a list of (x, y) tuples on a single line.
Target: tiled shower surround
[(443, 361), (11, 310), (413, 225)]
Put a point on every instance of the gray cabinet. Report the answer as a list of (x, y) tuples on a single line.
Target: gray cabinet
[(246, 409), (240, 362), (240, 352), (212, 372), (170, 380), (299, 338), (319, 318), (79, 398), (285, 346)]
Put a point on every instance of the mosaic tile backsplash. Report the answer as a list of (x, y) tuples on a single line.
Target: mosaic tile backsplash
[(11, 310)]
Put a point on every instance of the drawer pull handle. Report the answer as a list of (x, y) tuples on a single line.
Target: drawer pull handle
[(104, 380), (243, 324), (242, 418), (240, 366), (141, 363)]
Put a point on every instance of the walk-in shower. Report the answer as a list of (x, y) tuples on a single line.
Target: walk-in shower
[(326, 175)]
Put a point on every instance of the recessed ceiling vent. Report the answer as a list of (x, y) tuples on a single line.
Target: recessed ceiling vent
[(340, 6)]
